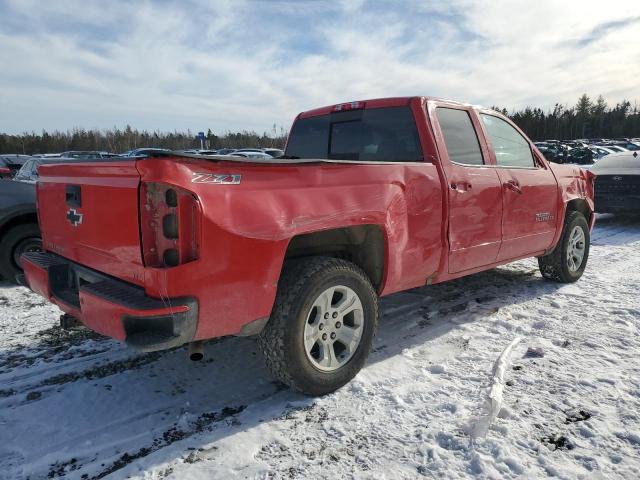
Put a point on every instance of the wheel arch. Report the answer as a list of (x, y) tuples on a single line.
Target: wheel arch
[(582, 206), (364, 245), (18, 218)]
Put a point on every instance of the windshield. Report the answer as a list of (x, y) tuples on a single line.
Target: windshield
[(379, 134)]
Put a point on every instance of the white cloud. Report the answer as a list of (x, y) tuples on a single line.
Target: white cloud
[(233, 65)]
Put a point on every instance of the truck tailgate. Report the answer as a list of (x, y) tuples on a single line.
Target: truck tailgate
[(88, 213)]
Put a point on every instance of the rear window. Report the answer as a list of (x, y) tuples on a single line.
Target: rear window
[(459, 136), (380, 134)]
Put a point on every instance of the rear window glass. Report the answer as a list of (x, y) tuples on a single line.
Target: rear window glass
[(459, 136), (379, 134)]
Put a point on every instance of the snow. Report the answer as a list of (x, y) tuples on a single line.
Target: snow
[(493, 402), (551, 372)]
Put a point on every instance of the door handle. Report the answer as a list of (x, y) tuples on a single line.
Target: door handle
[(72, 194), (513, 185), (460, 186)]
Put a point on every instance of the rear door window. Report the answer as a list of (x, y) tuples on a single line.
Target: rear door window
[(460, 136), (378, 134)]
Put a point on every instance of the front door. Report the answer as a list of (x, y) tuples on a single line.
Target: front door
[(474, 188), (530, 191)]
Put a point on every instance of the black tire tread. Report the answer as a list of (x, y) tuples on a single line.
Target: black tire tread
[(551, 265), (295, 275)]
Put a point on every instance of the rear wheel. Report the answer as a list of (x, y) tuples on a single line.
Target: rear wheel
[(16, 241), (566, 263), (322, 325)]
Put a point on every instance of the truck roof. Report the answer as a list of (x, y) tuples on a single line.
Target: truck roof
[(374, 103)]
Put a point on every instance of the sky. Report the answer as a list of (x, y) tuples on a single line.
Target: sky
[(249, 64)]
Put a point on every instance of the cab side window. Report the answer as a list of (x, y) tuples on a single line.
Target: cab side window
[(459, 136), (511, 148)]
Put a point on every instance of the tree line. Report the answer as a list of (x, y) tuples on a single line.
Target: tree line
[(587, 119), (121, 140)]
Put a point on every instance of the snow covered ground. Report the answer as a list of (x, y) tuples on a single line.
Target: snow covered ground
[(498, 375)]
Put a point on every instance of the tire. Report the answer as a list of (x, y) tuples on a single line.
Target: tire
[(297, 317), (557, 265), (16, 241)]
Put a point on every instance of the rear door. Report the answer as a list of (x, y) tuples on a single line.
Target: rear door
[(529, 189), (474, 188)]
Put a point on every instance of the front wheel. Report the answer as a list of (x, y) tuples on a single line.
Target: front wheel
[(566, 263), (322, 325)]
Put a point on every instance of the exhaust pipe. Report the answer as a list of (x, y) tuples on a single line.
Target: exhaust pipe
[(196, 351)]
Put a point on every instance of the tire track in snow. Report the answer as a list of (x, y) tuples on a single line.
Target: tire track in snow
[(95, 372)]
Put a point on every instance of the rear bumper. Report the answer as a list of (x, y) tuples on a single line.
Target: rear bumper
[(112, 307)]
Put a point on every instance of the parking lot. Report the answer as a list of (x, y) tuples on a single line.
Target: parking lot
[(76, 405)]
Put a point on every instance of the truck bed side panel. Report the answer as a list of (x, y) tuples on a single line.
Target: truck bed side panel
[(246, 228)]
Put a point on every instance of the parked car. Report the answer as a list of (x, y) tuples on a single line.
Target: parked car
[(201, 152), (599, 152), (617, 148), (248, 150), (274, 152), (579, 156), (631, 146), (618, 183), (144, 152), (225, 151), (252, 154), (19, 231), (10, 164), (369, 199), (85, 155)]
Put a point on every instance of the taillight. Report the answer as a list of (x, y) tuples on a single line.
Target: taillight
[(169, 225), (5, 171)]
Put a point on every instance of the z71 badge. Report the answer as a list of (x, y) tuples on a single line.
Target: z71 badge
[(220, 179)]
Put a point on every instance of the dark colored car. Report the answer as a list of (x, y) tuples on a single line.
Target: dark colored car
[(19, 232), (226, 151), (11, 163), (618, 183)]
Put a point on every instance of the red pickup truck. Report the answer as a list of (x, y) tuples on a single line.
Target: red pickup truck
[(370, 198)]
